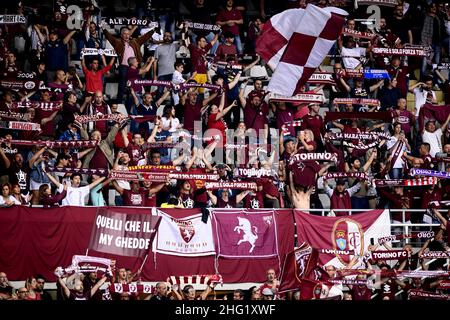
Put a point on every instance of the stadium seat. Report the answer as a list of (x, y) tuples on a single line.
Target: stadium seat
[(121, 108)]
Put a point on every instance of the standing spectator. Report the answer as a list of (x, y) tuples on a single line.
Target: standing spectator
[(165, 55), (229, 19), (399, 72), (194, 108), (94, 77), (433, 136), (422, 93), (56, 53), (400, 25), (406, 119), (389, 94), (78, 293), (432, 35), (227, 48), (97, 107), (45, 196), (6, 289), (340, 196), (161, 292), (75, 195), (126, 48), (271, 283), (19, 172)]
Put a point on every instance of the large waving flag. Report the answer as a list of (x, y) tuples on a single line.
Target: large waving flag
[(350, 234), (295, 42)]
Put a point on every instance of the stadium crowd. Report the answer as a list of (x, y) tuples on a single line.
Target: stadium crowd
[(175, 99)]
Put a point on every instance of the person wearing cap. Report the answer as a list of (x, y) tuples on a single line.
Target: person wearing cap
[(340, 197), (267, 294), (224, 200), (433, 136)]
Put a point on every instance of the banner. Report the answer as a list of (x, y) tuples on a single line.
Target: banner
[(160, 168), (27, 85), (389, 254), (299, 98), (358, 34), (297, 265), (99, 172), (351, 233), (326, 156), (322, 78), (340, 175), (418, 182), (415, 235), (130, 21), (123, 234), (444, 285), (435, 255), (357, 136), (117, 117), (368, 102), (12, 18), (46, 106), (14, 115), (96, 52), (207, 279), (54, 144), (376, 74), (240, 234), (188, 237), (130, 288), (22, 126), (202, 26), (400, 52), (415, 294), (230, 185), (429, 173)]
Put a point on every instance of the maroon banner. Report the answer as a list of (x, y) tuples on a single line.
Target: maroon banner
[(130, 288), (299, 98), (435, 255), (245, 235), (389, 254), (46, 106), (444, 284), (369, 102), (358, 34), (349, 233), (322, 78), (123, 234), (230, 185), (27, 85), (418, 182), (340, 175), (117, 117), (160, 168), (51, 237), (414, 294), (400, 52)]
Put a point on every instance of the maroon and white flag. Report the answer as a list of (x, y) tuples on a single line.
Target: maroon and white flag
[(188, 237), (351, 233), (123, 234), (295, 42), (239, 234)]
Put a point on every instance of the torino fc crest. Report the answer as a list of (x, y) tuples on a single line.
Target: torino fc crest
[(348, 236)]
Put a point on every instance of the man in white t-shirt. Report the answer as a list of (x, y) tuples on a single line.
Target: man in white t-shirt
[(351, 54), (433, 136), (422, 94), (76, 195)]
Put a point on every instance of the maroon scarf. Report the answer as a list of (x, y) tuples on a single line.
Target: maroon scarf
[(230, 185), (400, 52), (418, 182), (54, 144), (46, 106), (338, 175), (358, 34), (385, 116)]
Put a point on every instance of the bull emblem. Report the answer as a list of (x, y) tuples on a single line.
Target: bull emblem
[(250, 232)]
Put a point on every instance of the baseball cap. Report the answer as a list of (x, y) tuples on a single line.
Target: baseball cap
[(340, 182)]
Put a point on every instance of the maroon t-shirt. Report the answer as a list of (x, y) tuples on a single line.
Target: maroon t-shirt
[(427, 161), (254, 201), (187, 200), (222, 204), (133, 74), (361, 293), (405, 118), (135, 152), (98, 160), (255, 117), (268, 187), (101, 125), (198, 58), (131, 198), (192, 113), (313, 123), (48, 129), (388, 289), (305, 173), (226, 15)]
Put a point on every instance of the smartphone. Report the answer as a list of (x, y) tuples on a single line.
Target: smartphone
[(372, 242)]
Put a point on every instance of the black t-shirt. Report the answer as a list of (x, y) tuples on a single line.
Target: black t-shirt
[(21, 176), (80, 296)]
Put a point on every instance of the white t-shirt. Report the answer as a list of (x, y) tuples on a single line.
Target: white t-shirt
[(420, 98), (399, 162), (75, 196), (172, 124), (435, 141), (11, 198), (352, 63)]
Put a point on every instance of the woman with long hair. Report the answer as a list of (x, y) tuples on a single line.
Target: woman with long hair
[(46, 198), (7, 199), (31, 284), (169, 121), (15, 192)]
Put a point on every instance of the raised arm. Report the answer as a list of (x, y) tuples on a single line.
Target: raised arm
[(440, 216), (241, 94), (96, 182), (242, 195), (52, 179), (235, 80), (118, 188), (35, 157), (5, 158), (369, 162), (212, 197), (69, 36), (64, 287)]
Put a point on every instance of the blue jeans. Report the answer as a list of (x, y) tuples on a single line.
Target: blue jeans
[(238, 43), (396, 173)]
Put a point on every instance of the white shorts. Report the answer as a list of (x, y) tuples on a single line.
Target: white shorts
[(34, 186)]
